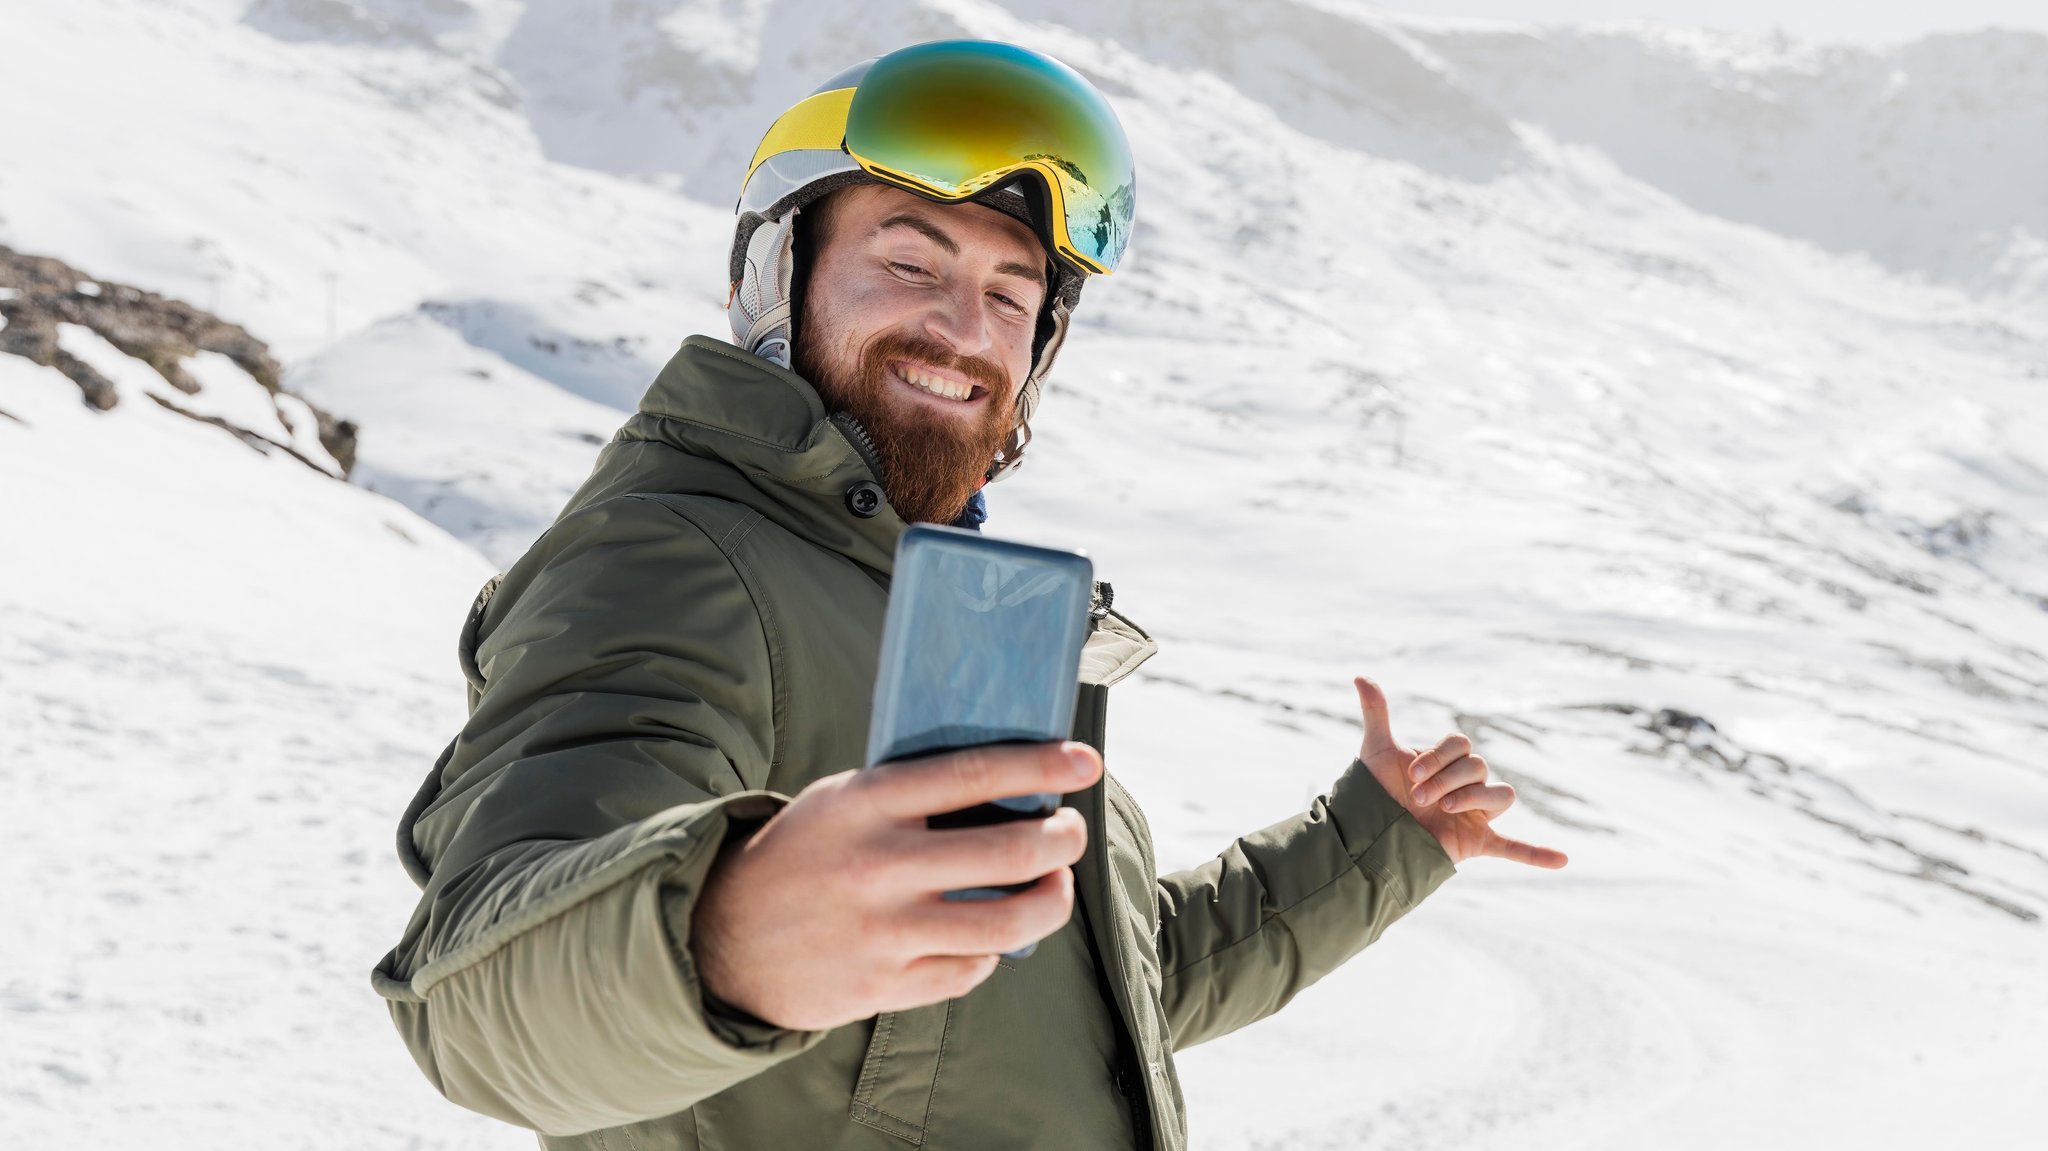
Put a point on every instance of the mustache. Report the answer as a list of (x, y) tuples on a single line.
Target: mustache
[(924, 349)]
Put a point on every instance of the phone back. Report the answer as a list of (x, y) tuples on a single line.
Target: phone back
[(981, 644)]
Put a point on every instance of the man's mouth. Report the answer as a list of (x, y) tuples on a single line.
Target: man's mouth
[(942, 385)]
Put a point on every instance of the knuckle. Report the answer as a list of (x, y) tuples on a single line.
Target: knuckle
[(863, 869), (971, 976), (895, 937), (993, 932), (1071, 839), (1018, 853), (974, 770), (857, 866)]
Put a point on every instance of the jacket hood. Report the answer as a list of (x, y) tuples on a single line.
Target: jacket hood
[(720, 422)]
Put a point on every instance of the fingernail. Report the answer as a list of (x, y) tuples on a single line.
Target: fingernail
[(1080, 763)]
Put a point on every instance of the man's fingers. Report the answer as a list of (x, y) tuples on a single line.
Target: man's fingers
[(937, 978), (934, 861), (1488, 800), (1372, 705), (1463, 772), (991, 926), (915, 788), (1447, 751), (1515, 851)]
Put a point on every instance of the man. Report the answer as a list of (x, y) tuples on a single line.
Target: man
[(661, 909)]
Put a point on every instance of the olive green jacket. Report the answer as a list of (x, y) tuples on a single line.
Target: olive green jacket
[(693, 640)]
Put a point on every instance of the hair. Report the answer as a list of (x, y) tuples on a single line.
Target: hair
[(809, 234)]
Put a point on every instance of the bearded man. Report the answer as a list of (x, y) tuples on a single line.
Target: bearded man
[(661, 908)]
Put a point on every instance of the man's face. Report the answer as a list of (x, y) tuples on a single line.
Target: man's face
[(918, 321)]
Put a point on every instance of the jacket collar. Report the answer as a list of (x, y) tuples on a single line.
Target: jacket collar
[(801, 466)]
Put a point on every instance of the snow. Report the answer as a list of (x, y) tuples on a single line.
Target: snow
[(229, 393), (1570, 381), (485, 450), (226, 393), (210, 718)]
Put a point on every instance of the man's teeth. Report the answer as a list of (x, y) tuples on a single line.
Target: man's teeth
[(935, 385)]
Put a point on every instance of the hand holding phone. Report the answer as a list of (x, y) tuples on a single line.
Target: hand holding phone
[(981, 645), (826, 914)]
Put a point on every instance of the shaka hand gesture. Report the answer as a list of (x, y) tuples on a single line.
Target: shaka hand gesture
[(1444, 788)]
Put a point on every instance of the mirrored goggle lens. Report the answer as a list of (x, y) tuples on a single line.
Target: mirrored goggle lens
[(957, 117)]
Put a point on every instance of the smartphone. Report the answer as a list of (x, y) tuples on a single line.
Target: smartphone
[(981, 644)]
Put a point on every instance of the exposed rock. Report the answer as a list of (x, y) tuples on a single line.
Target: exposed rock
[(38, 293)]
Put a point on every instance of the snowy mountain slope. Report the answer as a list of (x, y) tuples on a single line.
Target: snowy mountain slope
[(479, 446), (1928, 156), (1925, 156), (1726, 547), (305, 190), (119, 344), (220, 675)]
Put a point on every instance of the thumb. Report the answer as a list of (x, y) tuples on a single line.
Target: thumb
[(1372, 705)]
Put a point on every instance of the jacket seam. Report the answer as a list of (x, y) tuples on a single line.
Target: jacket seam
[(764, 618), (738, 533), (771, 638), (1358, 863), (938, 1069)]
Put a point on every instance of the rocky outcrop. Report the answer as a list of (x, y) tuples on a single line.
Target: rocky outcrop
[(38, 293)]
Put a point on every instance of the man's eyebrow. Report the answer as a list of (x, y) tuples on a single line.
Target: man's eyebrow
[(1013, 268), (917, 223), (937, 235)]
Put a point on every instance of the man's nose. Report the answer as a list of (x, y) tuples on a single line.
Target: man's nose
[(957, 318)]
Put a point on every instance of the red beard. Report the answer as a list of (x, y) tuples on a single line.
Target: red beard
[(931, 465)]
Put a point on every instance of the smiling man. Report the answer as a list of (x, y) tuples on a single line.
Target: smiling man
[(933, 386), (661, 908)]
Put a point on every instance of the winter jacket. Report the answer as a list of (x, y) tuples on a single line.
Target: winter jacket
[(694, 640)]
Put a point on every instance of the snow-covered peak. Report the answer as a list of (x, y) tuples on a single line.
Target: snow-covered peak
[(1925, 156)]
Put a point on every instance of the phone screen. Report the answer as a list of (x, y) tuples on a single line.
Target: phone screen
[(981, 644)]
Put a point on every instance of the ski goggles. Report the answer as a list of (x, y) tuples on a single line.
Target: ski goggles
[(951, 120)]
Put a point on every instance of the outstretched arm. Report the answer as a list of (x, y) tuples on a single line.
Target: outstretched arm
[(1244, 933)]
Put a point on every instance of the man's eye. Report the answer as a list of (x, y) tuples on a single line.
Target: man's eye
[(907, 269), (1008, 304)]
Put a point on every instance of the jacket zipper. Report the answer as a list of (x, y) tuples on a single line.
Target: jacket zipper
[(1099, 604), (863, 444)]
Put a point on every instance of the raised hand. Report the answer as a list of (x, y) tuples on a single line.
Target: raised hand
[(835, 909), (1444, 788)]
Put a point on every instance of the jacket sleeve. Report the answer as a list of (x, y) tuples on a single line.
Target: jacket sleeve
[(622, 722), (1242, 934)]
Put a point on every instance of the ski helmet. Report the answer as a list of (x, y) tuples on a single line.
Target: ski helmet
[(954, 121)]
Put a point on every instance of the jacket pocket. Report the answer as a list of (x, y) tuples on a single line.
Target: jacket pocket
[(894, 1093)]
